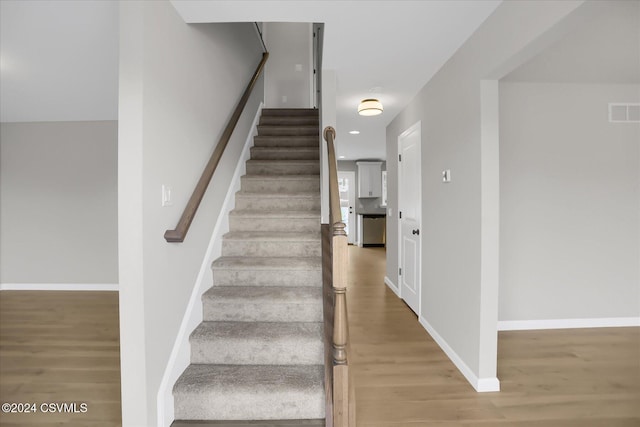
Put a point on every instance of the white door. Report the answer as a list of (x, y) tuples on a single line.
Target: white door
[(347, 187), (409, 209)]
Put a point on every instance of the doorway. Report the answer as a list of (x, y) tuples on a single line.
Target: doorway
[(410, 216), (347, 189)]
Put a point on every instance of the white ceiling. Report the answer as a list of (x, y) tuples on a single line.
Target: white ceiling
[(393, 45), (58, 60), (604, 50)]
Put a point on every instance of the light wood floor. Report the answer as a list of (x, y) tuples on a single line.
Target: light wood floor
[(559, 378), (63, 347), (60, 347)]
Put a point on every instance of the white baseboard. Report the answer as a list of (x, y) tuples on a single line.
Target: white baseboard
[(481, 385), (524, 325), (59, 287), (392, 286), (181, 353)]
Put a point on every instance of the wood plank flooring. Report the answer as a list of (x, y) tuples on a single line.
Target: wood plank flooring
[(558, 378), (60, 347), (63, 347)]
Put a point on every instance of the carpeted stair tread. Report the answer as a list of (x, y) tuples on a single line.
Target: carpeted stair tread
[(280, 183), (283, 130), (242, 271), (268, 263), (281, 177), (283, 167), (290, 120), (285, 153), (250, 392), (275, 213), (286, 141), (265, 295), (272, 236), (272, 243), (276, 194), (290, 112), (284, 161), (257, 343), (263, 303)]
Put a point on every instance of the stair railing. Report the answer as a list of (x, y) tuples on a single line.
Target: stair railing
[(339, 386), (180, 232)]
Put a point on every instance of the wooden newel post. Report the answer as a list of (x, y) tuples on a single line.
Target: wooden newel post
[(340, 293), (339, 327)]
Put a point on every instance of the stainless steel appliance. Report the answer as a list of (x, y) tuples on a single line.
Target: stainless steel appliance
[(374, 230)]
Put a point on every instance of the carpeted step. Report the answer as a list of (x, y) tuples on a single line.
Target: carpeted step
[(259, 352), (285, 153), (249, 423), (271, 244), (297, 201), (310, 120), (267, 271), (276, 220), (263, 303), (280, 183), (286, 141), (283, 167), (257, 343), (290, 112), (236, 392), (282, 130)]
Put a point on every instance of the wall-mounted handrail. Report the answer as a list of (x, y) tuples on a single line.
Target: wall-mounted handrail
[(342, 403), (260, 36), (179, 233)]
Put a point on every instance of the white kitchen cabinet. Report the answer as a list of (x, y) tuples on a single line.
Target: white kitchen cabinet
[(369, 179)]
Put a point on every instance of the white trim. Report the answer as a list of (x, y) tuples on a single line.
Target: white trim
[(481, 385), (59, 287), (417, 126), (524, 325), (181, 353), (392, 286)]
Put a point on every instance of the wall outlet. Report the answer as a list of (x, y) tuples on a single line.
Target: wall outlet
[(284, 99)]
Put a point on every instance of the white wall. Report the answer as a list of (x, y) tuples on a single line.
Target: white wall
[(58, 203), (179, 84), (289, 44), (459, 297), (569, 194)]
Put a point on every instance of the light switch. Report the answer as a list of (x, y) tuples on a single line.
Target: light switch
[(446, 175), (298, 67), (166, 196)]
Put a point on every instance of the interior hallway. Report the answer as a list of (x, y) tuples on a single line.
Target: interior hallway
[(556, 378)]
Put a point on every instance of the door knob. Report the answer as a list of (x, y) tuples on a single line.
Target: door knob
[(416, 231)]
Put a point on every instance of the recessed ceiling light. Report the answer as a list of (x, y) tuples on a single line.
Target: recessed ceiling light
[(354, 132), (341, 157)]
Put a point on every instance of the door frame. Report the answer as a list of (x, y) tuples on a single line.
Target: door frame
[(404, 134), (352, 237)]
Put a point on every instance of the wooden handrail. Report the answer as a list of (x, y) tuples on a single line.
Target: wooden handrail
[(342, 403), (179, 233)]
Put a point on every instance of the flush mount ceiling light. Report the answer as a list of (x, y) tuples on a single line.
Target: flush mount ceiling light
[(370, 107)]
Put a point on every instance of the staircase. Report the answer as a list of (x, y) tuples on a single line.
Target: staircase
[(258, 354)]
